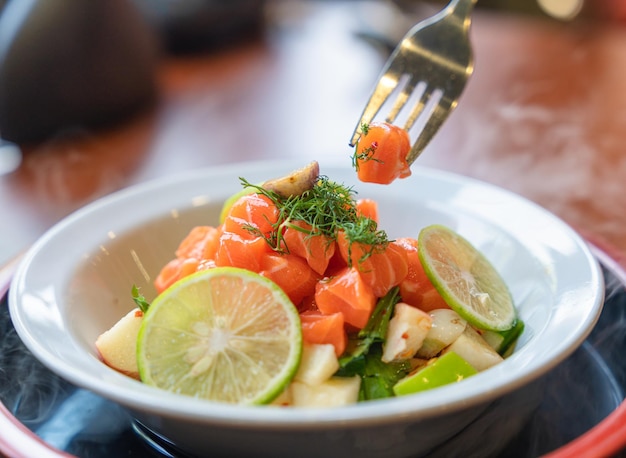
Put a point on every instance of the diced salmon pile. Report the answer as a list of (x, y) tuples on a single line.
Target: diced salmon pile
[(334, 283)]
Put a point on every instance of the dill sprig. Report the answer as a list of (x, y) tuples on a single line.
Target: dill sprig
[(328, 208), (368, 153), (365, 232)]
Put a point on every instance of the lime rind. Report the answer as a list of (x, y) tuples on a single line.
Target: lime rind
[(203, 337), (466, 279)]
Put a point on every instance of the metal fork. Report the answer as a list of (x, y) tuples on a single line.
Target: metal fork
[(436, 56)]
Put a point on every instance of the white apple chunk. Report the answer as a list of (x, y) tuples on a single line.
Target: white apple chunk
[(406, 332), (318, 363), (337, 391), (283, 399), (447, 326), (117, 346), (472, 347)]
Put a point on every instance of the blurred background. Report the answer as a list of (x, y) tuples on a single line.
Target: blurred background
[(98, 95), (67, 64)]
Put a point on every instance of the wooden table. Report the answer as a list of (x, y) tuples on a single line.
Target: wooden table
[(544, 115)]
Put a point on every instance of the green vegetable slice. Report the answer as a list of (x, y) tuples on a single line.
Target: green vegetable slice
[(446, 369), (504, 341), (363, 358)]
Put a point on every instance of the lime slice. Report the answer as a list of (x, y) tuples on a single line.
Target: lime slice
[(466, 280), (222, 334), (446, 369)]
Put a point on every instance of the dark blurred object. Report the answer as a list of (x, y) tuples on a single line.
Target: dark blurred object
[(187, 26), (68, 64), (515, 6), (562, 10)]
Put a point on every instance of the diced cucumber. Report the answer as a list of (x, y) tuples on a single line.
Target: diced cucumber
[(473, 348), (446, 327), (504, 341), (446, 369)]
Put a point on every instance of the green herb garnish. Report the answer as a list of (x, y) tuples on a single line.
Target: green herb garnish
[(374, 331), (328, 208), (365, 128), (364, 356), (368, 153), (378, 377), (139, 299)]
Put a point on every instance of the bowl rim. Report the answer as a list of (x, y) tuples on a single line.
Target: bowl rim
[(142, 398)]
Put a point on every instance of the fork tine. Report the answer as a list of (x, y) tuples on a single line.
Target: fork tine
[(435, 55), (418, 108), (438, 116), (386, 85), (401, 100)]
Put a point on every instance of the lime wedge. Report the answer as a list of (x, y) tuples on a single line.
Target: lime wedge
[(222, 334), (446, 369), (466, 280)]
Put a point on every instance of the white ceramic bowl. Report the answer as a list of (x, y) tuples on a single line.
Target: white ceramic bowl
[(75, 283)]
